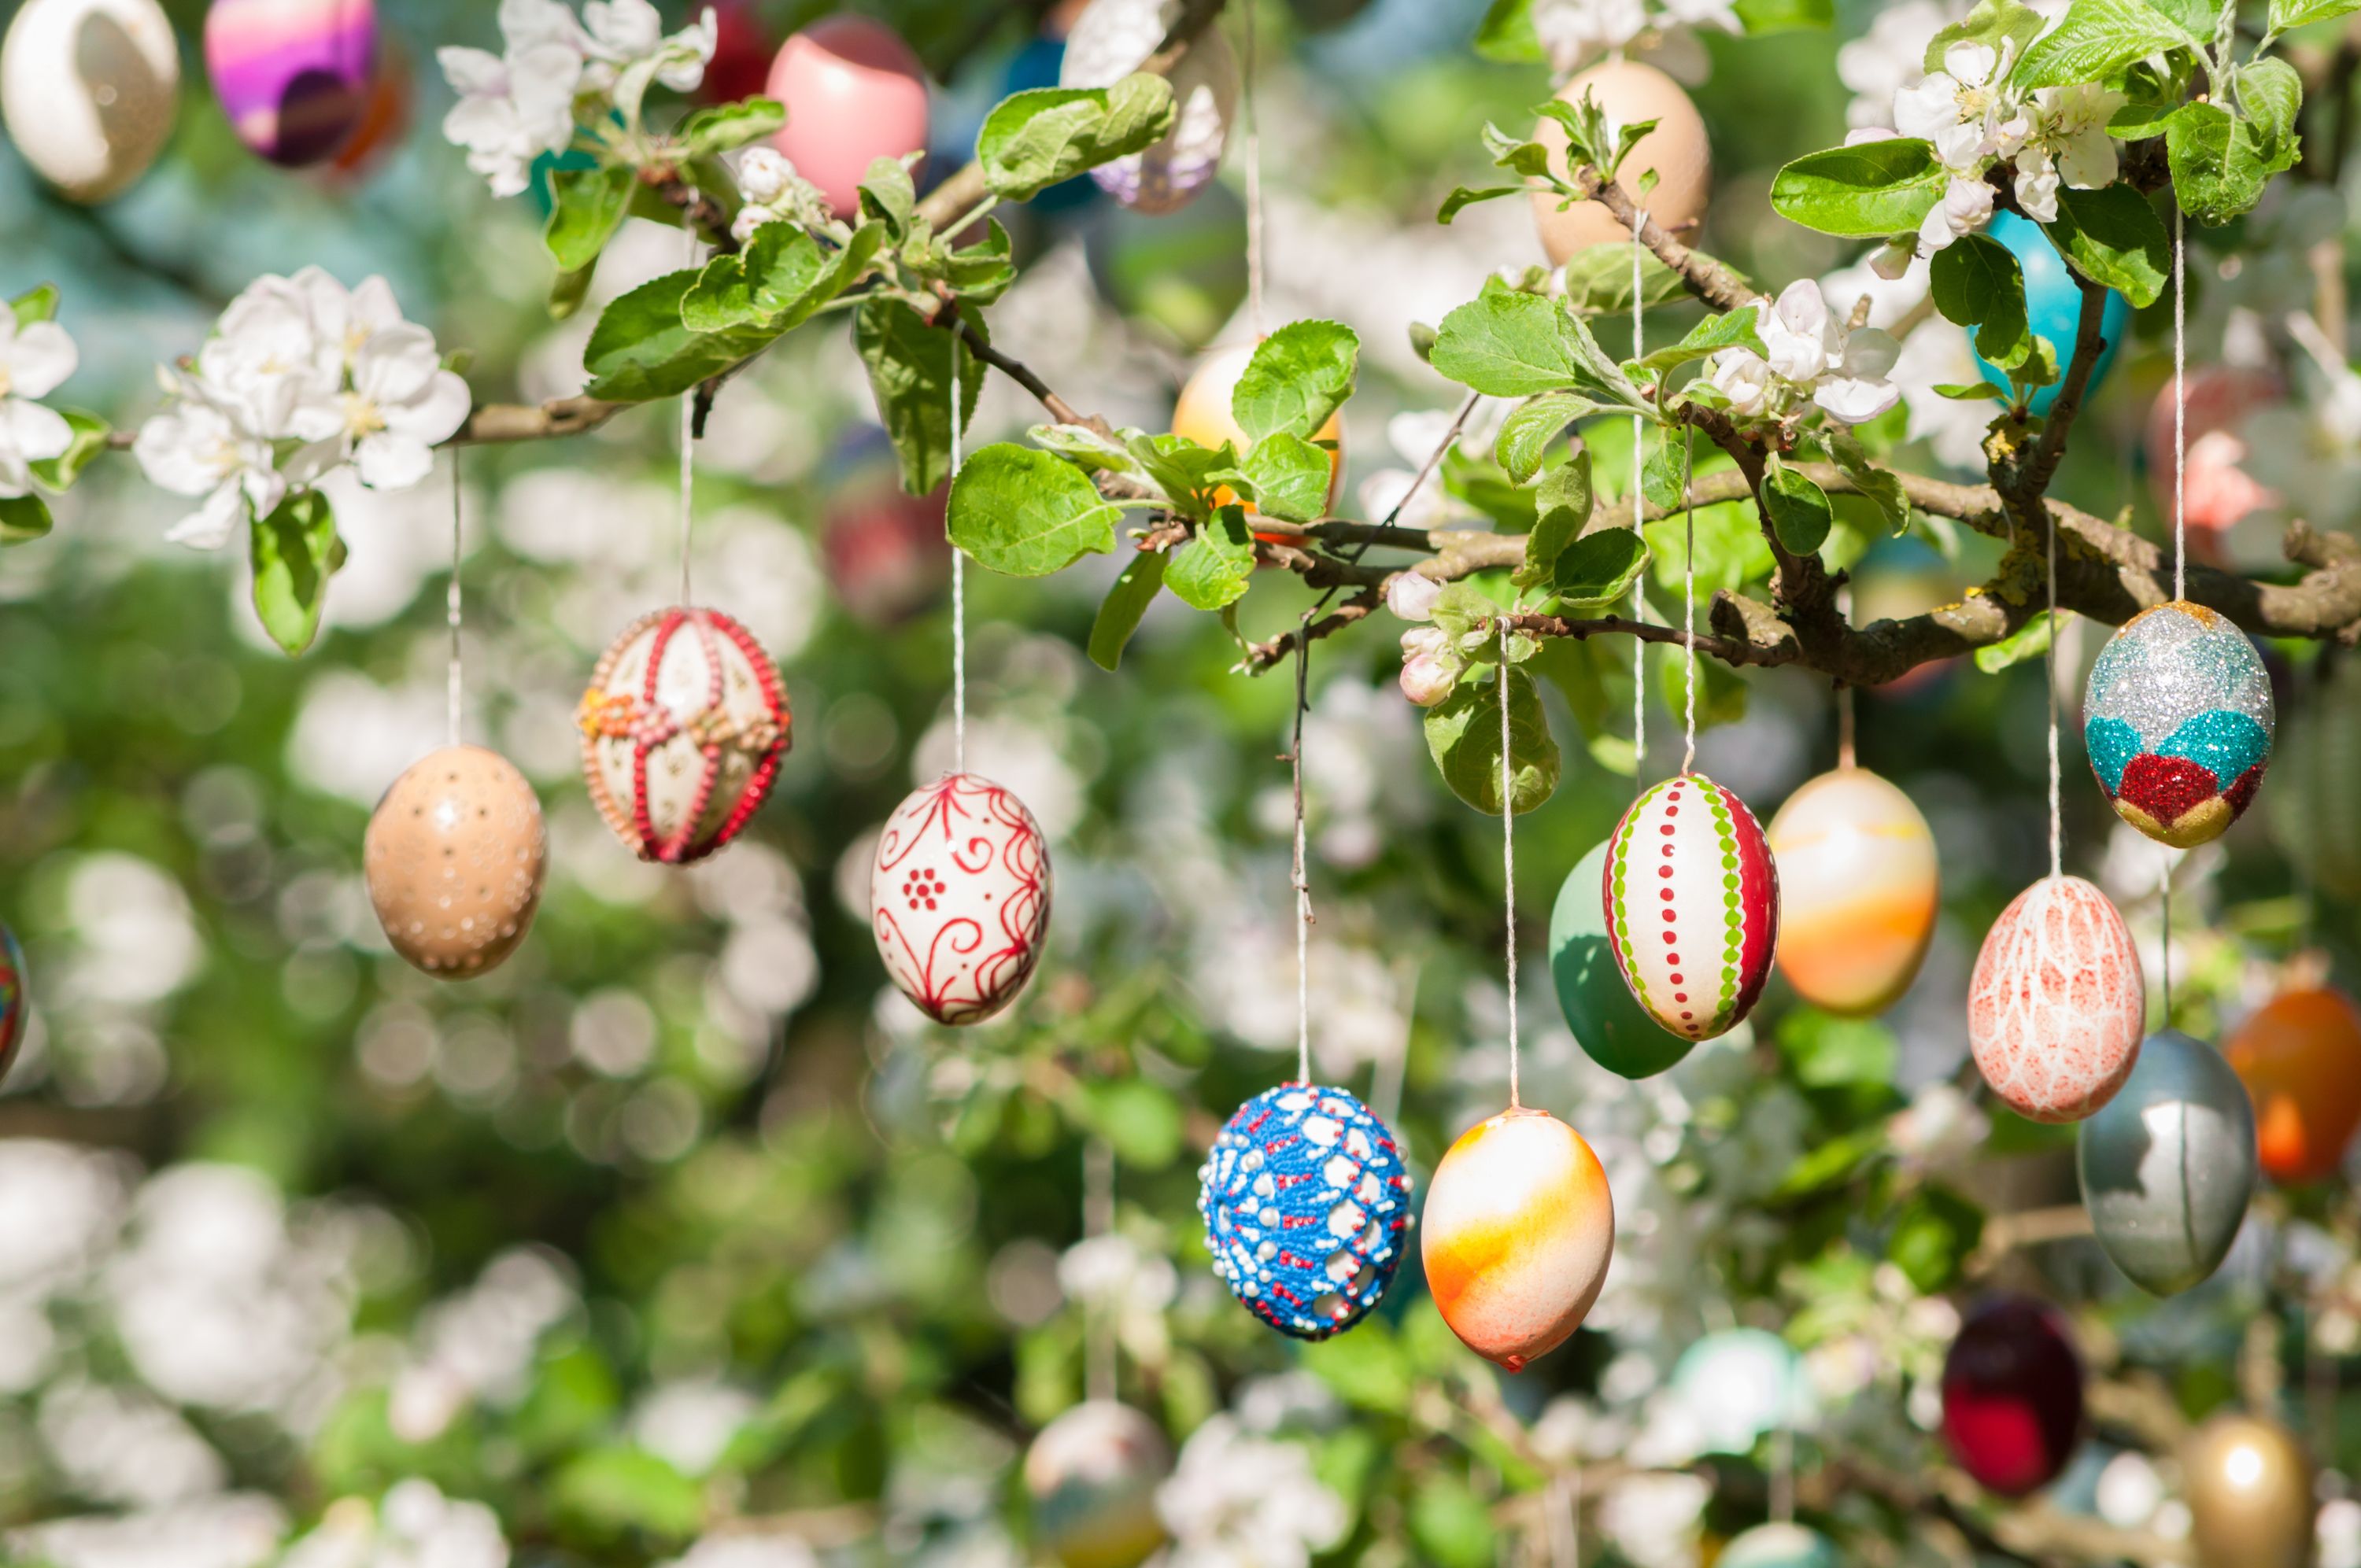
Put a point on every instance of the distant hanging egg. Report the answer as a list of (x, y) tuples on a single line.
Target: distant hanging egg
[(683, 727), (1608, 1021), (960, 897), (1305, 1198), (293, 76), (2012, 1395), (854, 94), (1779, 1546), (1691, 898), (2251, 1494), (2177, 720), (2053, 305), (2167, 1166), (1678, 150), (14, 1001), (1183, 275), (2057, 1004), (1740, 1385), (1092, 1477), (2315, 813), (2218, 492), (453, 861), (1204, 413), (1111, 39), (88, 90), (2299, 1057), (385, 120), (1859, 891), (1519, 1230), (743, 53)]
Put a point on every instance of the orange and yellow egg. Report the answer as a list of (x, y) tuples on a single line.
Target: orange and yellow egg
[(1517, 1232), (1202, 413), (2299, 1057), (1859, 890)]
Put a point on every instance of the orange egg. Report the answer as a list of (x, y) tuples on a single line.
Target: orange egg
[(1858, 892), (2299, 1056), (1202, 415), (1517, 1232), (1677, 149)]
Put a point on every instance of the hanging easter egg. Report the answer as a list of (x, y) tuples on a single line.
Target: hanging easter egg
[(743, 52), (1519, 1230), (15, 1005), (1859, 891), (1608, 1021), (1184, 274), (2299, 1057), (683, 727), (960, 897), (2058, 1003), (2250, 1494), (854, 94), (1739, 1386), (883, 547), (1092, 1477), (385, 120), (1779, 1546), (1677, 149), (88, 90), (453, 861), (293, 76), (2217, 492), (1691, 898), (2316, 811), (2053, 308), (2012, 1395), (1204, 415), (2169, 1164), (2178, 721), (1305, 1198), (1112, 39)]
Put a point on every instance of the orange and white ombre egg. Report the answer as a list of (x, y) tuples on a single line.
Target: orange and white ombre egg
[(1203, 415), (1859, 891), (1677, 149), (2058, 1003), (1691, 897), (1517, 1232)]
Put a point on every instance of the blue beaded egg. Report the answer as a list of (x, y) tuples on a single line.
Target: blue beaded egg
[(1305, 1201), (2053, 307)]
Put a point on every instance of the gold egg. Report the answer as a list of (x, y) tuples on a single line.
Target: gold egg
[(454, 860), (1677, 149), (2250, 1501)]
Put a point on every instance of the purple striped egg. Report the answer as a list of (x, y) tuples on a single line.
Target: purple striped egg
[(293, 76)]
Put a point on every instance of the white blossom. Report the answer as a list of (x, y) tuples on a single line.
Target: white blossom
[(199, 448), (1575, 32), (773, 190), (1808, 355), (1965, 109), (1430, 665), (1966, 207), (33, 361), (1412, 595), (1236, 1500), (402, 405), (2069, 146), (513, 107), (1888, 57)]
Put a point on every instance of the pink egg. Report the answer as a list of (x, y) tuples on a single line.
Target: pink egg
[(854, 94), (959, 897), (1692, 906), (1517, 1232), (293, 76), (2058, 1003), (2218, 491)]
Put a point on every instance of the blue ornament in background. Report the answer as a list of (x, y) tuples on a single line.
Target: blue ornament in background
[(2053, 304), (1037, 65), (1306, 1203)]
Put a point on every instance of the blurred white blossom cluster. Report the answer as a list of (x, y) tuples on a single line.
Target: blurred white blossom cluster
[(1575, 32), (1238, 1499), (1811, 358), (479, 1346)]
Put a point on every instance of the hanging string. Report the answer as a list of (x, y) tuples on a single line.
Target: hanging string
[(1688, 592), (1638, 521), (1782, 1470), (1563, 1523), (1640, 685), (1509, 861), (958, 593), (451, 608), (2049, 674), (1253, 186), (1845, 753), (2179, 410), (1302, 882), (687, 439), (1098, 1219)]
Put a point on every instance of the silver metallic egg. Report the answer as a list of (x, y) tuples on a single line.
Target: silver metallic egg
[(2168, 1164)]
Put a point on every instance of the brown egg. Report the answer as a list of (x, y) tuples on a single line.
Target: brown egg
[(454, 858), (1677, 149), (2250, 1494)]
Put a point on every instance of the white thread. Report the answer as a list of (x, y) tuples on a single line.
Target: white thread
[(688, 446), (451, 605), (1098, 1219), (1638, 521), (2049, 674), (1509, 859), (1302, 881), (2180, 411), (959, 591), (1253, 186), (1640, 685), (2165, 965), (1689, 598)]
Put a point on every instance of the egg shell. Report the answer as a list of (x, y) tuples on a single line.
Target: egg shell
[(2315, 814), (2058, 1003), (293, 76), (1691, 899), (743, 48), (960, 897), (2167, 1166), (2012, 1395), (2177, 720), (854, 94), (1740, 1384), (2250, 1489), (385, 120), (16, 1003), (454, 861), (1112, 39), (683, 727), (1091, 1476), (1779, 1546), (1517, 1232), (2053, 306), (89, 90), (1678, 150), (1203, 414), (2299, 1056), (1305, 1200), (1182, 275), (2219, 493), (1859, 891), (1608, 1021)]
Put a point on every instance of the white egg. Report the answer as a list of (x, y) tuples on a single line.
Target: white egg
[(88, 89), (960, 897)]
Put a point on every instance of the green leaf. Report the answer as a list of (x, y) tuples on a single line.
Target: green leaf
[(1660, 477), (1598, 281), (1798, 507), (1933, 1236), (1465, 196), (1975, 281), (726, 125), (1829, 1052), (1033, 140), (2217, 166), (1127, 602), (35, 305), (1599, 568), (1731, 551), (2271, 93), (2113, 237), (1526, 434), (641, 350), (1211, 570), (23, 518), (1289, 477), (1299, 377), (1190, 476), (1140, 1120), (617, 1490), (1969, 391), (1562, 509), (1027, 513), (2031, 640), (2095, 39), (587, 206), (2288, 14), (1731, 329), (909, 363), (1450, 1526), (1462, 734), (90, 434), (776, 283), (1868, 192), (1999, 25), (1509, 345), (888, 196), (1760, 16), (982, 272), (1505, 34), (1880, 487), (294, 551)]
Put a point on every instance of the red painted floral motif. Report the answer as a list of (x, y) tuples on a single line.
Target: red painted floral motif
[(959, 896)]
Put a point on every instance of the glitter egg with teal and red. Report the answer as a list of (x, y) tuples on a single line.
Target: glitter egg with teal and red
[(2177, 720), (13, 1002)]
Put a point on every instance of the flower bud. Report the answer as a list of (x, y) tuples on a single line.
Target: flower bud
[(1412, 595), (1894, 260), (1424, 640), (1427, 679)]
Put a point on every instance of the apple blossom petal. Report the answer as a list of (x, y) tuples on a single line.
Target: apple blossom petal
[(390, 462), (435, 413), (1870, 351), (42, 357), (395, 364), (32, 430), (1855, 400), (472, 72), (210, 526)]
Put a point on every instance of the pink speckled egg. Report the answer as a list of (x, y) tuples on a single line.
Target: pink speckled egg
[(959, 897), (1692, 906), (2058, 1003), (293, 76), (1517, 1232), (854, 94)]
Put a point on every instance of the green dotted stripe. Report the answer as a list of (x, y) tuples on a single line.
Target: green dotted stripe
[(1734, 906), (1620, 860)]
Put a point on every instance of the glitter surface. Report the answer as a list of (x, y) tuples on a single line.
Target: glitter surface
[(2177, 722)]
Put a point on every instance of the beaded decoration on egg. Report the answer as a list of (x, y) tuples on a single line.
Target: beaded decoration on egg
[(1305, 1201), (1692, 901), (2177, 720), (14, 1004)]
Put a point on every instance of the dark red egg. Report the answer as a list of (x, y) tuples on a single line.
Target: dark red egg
[(743, 48), (2012, 1395)]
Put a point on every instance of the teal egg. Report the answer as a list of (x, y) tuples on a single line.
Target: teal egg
[(1607, 1019), (2053, 304), (2168, 1164), (1779, 1546), (1740, 1385)]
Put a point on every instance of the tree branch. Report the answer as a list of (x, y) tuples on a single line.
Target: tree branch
[(1717, 285)]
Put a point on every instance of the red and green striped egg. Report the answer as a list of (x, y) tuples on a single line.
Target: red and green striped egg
[(1691, 897)]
